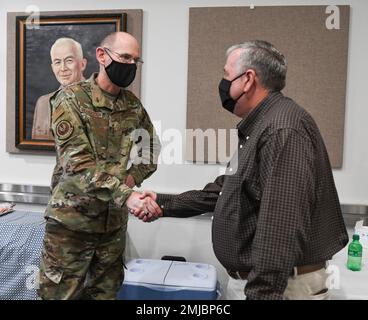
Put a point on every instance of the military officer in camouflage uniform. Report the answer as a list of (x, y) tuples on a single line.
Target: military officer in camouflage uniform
[(96, 123)]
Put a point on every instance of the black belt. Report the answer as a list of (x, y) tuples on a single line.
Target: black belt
[(243, 275)]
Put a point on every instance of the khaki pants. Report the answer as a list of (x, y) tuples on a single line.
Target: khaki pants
[(301, 287)]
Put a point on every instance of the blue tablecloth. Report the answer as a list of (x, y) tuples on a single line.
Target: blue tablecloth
[(21, 236)]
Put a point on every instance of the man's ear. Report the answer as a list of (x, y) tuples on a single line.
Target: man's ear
[(53, 68), (251, 78), (100, 55), (84, 64)]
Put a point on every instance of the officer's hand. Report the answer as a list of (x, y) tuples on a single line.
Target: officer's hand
[(129, 181), (135, 204), (144, 208), (150, 194)]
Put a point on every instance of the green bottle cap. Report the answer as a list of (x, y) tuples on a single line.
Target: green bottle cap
[(355, 236)]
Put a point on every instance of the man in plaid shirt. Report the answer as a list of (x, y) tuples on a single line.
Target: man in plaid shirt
[(277, 217)]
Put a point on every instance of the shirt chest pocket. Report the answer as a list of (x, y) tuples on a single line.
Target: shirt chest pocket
[(252, 189), (251, 186)]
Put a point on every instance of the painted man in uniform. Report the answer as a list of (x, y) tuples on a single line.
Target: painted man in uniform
[(68, 65)]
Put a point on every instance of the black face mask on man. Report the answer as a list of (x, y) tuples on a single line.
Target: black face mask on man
[(224, 90), (121, 74)]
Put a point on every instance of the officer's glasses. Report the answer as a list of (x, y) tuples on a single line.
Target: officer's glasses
[(125, 57)]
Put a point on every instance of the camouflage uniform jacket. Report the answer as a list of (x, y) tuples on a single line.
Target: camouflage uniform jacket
[(94, 136)]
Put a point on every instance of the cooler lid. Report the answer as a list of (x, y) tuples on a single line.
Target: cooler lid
[(192, 275), (146, 271)]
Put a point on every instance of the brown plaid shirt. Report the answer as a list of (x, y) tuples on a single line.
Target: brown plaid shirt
[(279, 208)]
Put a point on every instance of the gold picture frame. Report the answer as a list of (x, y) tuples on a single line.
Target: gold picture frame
[(33, 74)]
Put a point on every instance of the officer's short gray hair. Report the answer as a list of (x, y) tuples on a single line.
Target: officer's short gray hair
[(268, 62), (64, 41)]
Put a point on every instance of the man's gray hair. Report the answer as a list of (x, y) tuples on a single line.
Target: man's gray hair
[(64, 41), (268, 62)]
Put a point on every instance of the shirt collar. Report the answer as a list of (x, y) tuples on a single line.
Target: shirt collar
[(246, 126)]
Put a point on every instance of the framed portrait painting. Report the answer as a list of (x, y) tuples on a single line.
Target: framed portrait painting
[(35, 78)]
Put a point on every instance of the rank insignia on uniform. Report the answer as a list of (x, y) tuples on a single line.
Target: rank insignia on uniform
[(64, 129), (57, 113)]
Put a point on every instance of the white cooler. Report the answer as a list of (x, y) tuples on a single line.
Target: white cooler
[(148, 279)]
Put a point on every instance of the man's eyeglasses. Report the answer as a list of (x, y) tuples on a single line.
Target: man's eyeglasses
[(125, 57)]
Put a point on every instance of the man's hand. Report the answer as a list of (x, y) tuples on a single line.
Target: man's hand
[(129, 181), (143, 207), (150, 194)]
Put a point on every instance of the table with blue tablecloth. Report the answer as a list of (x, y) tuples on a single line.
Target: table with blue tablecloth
[(21, 236)]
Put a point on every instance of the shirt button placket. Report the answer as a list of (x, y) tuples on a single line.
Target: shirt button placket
[(241, 145)]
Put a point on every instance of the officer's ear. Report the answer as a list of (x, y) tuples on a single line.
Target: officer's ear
[(100, 55)]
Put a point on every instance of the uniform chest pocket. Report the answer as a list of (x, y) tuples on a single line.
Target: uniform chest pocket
[(99, 131), (127, 142), (129, 124), (119, 138)]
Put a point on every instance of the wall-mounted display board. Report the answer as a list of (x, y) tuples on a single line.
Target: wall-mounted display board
[(314, 40)]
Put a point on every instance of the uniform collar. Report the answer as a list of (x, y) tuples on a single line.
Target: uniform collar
[(100, 100)]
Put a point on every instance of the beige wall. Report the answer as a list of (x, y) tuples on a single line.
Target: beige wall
[(164, 91)]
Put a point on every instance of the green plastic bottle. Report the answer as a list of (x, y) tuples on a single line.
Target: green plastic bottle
[(355, 250)]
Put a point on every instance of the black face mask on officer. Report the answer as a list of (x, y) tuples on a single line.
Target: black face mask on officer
[(224, 90), (121, 74)]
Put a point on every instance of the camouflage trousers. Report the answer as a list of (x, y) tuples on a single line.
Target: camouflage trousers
[(79, 265)]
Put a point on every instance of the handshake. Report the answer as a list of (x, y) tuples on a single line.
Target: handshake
[(144, 206)]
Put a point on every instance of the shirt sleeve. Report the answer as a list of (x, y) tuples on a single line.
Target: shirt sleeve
[(191, 203), (82, 174), (286, 169), (148, 148), (56, 175)]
